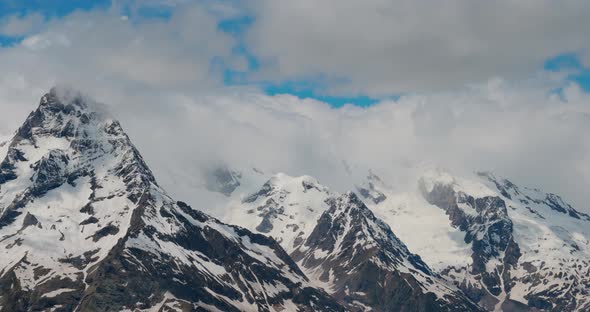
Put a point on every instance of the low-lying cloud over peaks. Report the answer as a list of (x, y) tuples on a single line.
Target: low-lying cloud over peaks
[(528, 134), (165, 80)]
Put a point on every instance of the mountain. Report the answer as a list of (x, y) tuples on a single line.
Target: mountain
[(84, 226), (285, 208), (508, 247), (344, 248)]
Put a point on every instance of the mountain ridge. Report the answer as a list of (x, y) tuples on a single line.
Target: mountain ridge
[(84, 225), (450, 236)]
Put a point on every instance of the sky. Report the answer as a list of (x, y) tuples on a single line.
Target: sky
[(306, 86)]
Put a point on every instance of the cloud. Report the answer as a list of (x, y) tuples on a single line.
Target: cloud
[(525, 133), (160, 78), (16, 25), (101, 53), (383, 47)]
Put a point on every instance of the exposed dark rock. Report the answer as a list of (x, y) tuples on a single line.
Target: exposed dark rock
[(124, 281), (105, 231), (90, 220), (263, 192), (489, 230), (362, 255), (50, 172), (268, 211), (371, 193), (30, 220), (165, 253)]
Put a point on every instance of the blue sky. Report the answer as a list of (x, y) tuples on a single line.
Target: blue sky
[(49, 9), (53, 8), (570, 62), (304, 88), (236, 26)]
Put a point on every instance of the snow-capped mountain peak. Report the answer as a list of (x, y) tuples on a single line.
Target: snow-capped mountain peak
[(285, 208), (84, 226)]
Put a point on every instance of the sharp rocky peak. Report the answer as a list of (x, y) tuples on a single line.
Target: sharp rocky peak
[(350, 243), (61, 113), (70, 136)]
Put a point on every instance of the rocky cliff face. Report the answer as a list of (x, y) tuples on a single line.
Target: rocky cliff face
[(489, 230), (84, 226), (529, 250)]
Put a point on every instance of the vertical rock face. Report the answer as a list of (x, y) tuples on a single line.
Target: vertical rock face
[(84, 226), (344, 248), (529, 249), (489, 230)]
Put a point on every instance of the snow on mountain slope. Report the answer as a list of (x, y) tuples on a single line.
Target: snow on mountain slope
[(344, 248), (366, 266), (211, 189), (285, 208), (554, 240), (84, 226), (507, 247), (61, 186), (408, 214)]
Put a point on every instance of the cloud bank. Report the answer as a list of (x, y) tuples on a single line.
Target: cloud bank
[(379, 47), (531, 136)]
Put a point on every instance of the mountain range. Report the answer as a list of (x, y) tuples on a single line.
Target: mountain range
[(85, 226)]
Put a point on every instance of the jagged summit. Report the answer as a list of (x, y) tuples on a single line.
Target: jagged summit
[(67, 97), (62, 111), (84, 226)]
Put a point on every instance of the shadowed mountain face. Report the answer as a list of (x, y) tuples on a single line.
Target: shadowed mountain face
[(84, 226)]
